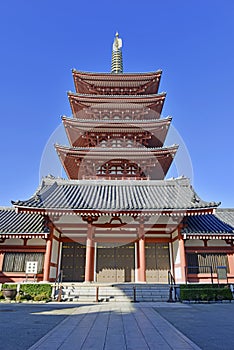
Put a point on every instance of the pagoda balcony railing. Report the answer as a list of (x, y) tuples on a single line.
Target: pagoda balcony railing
[(114, 177)]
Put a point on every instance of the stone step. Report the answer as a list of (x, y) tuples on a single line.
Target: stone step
[(117, 292)]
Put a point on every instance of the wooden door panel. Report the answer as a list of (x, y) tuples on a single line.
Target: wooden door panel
[(115, 264), (73, 262), (157, 262)]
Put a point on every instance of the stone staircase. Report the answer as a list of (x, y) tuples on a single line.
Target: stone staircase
[(91, 292)]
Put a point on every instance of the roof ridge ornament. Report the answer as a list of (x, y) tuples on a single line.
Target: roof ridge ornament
[(117, 59)]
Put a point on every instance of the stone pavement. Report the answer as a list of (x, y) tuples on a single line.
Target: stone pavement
[(113, 326)]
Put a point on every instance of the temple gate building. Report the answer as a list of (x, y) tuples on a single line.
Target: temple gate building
[(116, 218)]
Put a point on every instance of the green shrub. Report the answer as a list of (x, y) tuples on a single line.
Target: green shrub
[(21, 296), (39, 291), (32, 291), (205, 292), (40, 297), (9, 286)]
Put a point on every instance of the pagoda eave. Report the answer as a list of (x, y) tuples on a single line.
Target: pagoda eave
[(99, 152), (90, 123), (79, 132), (80, 163), (79, 101), (124, 83)]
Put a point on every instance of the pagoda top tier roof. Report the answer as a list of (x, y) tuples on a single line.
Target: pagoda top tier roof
[(101, 83), (121, 76), (100, 197)]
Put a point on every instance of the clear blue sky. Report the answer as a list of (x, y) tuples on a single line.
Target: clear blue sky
[(191, 41)]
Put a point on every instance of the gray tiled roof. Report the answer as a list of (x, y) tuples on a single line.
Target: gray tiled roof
[(206, 224), (226, 215), (116, 195), (12, 223)]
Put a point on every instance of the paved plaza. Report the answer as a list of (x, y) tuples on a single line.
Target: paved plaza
[(119, 326)]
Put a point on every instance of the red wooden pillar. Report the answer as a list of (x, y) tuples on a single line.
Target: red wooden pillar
[(46, 275), (1, 260), (231, 266), (89, 262), (141, 255), (182, 257)]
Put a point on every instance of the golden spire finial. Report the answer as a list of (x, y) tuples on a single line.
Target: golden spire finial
[(117, 44), (117, 61)]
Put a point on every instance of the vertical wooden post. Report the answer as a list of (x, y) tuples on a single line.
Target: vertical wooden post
[(46, 275), (141, 255), (1, 261), (182, 256), (231, 266), (89, 261)]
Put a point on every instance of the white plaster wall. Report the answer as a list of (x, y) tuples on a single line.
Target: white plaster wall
[(176, 252), (217, 243), (174, 234), (194, 243), (56, 233), (54, 253), (178, 274), (71, 219), (13, 241), (53, 272), (36, 241)]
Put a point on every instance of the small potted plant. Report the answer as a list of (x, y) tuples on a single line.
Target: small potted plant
[(9, 292)]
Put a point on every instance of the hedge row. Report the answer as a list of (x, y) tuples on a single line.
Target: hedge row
[(36, 292), (205, 292)]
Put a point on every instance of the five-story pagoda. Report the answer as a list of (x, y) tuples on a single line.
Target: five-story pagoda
[(116, 218)]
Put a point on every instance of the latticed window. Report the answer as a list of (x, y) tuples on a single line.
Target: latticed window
[(121, 168), (16, 262), (203, 262)]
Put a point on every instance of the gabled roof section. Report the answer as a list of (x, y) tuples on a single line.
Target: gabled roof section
[(205, 224), (121, 84), (20, 223), (97, 197)]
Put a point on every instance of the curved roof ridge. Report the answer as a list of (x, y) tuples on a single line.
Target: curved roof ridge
[(117, 121), (5, 208), (111, 149), (121, 74), (160, 94), (48, 180)]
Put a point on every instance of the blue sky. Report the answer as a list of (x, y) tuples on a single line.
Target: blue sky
[(191, 41)]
